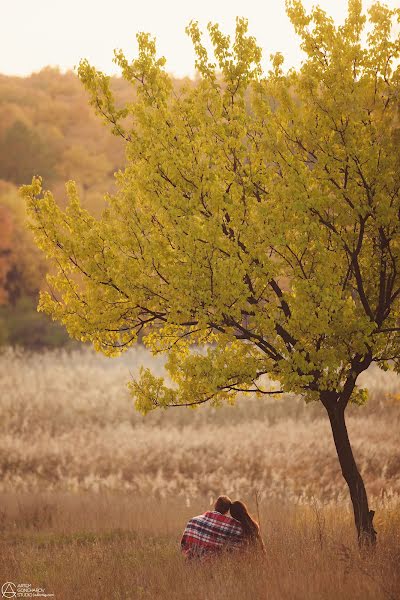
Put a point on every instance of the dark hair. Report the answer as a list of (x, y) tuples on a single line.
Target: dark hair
[(251, 529), (223, 504)]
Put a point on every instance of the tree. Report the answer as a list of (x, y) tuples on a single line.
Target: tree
[(22, 265), (5, 250), (25, 150), (22, 273), (255, 231)]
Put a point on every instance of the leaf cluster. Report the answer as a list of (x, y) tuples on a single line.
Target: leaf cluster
[(255, 230)]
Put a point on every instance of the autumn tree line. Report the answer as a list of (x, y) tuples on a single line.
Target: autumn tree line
[(46, 127)]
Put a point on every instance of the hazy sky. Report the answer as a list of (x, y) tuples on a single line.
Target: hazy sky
[(36, 33)]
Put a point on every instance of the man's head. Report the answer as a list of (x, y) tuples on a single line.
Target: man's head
[(223, 504)]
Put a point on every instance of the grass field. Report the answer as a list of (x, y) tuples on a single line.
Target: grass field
[(118, 547), (94, 497)]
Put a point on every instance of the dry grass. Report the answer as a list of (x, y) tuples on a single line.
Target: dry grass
[(120, 547), (68, 424), (94, 497)]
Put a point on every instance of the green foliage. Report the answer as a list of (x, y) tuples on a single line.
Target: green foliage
[(25, 151), (256, 218), (22, 325)]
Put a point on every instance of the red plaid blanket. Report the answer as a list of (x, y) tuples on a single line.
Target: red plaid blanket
[(209, 533)]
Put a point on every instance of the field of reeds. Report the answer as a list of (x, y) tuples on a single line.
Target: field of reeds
[(113, 547), (94, 497)]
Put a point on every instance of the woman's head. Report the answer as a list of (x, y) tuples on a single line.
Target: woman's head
[(240, 513), (239, 510)]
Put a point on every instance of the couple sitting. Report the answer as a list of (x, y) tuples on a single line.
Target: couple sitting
[(215, 531)]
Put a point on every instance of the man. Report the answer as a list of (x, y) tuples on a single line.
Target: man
[(208, 534)]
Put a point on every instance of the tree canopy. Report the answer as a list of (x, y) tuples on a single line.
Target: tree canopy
[(255, 229)]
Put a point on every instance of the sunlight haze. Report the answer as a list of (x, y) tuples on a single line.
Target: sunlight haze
[(58, 33)]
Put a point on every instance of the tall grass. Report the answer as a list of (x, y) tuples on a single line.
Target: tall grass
[(94, 497), (122, 547), (68, 424)]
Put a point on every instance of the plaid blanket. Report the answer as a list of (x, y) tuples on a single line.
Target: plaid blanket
[(209, 534)]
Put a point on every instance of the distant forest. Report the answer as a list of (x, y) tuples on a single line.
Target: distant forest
[(47, 128)]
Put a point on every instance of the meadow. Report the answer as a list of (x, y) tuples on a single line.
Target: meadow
[(94, 497)]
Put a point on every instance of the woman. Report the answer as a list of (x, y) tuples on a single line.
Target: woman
[(251, 530)]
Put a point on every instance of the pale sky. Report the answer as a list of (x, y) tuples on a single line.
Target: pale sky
[(37, 33)]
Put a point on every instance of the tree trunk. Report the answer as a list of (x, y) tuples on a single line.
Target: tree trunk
[(363, 516)]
